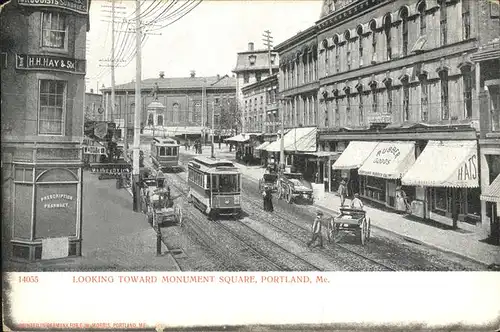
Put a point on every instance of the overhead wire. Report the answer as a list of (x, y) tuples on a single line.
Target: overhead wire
[(178, 18)]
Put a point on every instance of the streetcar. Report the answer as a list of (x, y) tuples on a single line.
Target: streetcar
[(215, 186), (165, 154)]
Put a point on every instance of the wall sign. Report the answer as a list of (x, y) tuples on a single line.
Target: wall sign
[(94, 150), (77, 6), (49, 62), (114, 169), (380, 118)]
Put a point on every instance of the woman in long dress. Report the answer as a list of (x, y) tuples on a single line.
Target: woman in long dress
[(268, 200)]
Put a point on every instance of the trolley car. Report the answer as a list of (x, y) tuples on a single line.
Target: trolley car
[(215, 186), (165, 154)]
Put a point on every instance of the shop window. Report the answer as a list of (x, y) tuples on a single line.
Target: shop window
[(52, 105), (54, 30), (440, 199)]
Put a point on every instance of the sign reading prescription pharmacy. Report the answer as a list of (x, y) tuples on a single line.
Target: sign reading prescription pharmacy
[(77, 6)]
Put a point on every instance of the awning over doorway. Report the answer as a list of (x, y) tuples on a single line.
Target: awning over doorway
[(445, 164), (296, 140), (262, 146), (492, 193), (389, 160), (354, 155), (240, 138)]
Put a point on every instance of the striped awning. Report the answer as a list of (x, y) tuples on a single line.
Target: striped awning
[(354, 155), (492, 193), (296, 140), (389, 160), (445, 164), (262, 146)]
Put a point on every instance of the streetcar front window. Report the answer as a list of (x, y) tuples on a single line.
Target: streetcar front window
[(228, 183), (162, 151)]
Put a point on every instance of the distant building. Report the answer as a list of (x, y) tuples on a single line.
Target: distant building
[(94, 106), (252, 66), (184, 105), (43, 86)]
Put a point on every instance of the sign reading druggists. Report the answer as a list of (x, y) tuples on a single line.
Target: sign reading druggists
[(77, 6)]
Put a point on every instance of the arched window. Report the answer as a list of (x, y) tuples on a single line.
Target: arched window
[(348, 44), (423, 24), (466, 19), (337, 53), (424, 97), (373, 27), (151, 119), (175, 113), (403, 13), (443, 23), (445, 107), (406, 98), (359, 31), (467, 78), (160, 120), (387, 30)]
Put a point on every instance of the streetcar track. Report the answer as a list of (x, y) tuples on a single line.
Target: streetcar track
[(253, 203)]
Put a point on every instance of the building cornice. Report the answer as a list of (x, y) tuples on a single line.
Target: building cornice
[(296, 40), (305, 88)]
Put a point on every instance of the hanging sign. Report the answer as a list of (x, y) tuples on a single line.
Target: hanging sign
[(94, 150), (49, 62), (77, 6)]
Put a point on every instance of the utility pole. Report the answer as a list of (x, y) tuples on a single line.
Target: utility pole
[(213, 126), (137, 115), (268, 41), (282, 142), (202, 141)]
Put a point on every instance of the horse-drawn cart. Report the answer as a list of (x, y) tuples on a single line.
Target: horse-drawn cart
[(349, 221), (162, 211)]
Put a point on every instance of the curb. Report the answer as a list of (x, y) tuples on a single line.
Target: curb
[(417, 241)]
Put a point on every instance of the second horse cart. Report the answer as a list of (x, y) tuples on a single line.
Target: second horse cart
[(349, 221)]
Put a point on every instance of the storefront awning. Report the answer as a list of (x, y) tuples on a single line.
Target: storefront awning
[(354, 155), (445, 164), (296, 140), (389, 160), (492, 193), (323, 154), (262, 146), (240, 138)]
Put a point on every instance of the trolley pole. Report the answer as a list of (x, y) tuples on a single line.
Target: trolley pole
[(137, 115), (282, 129)]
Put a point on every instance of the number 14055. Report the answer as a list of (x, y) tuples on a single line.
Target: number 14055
[(28, 279)]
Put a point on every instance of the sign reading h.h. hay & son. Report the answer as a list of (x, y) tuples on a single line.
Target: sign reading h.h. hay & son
[(77, 6), (49, 62)]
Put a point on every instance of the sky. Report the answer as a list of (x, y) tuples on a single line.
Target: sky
[(205, 40)]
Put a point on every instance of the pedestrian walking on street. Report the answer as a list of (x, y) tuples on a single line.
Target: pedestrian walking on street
[(316, 230), (268, 200), (342, 192)]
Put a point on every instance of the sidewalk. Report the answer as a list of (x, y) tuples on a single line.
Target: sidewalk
[(462, 243), (115, 238)]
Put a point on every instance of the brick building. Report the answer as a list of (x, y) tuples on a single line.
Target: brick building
[(397, 79), (182, 103), (43, 88)]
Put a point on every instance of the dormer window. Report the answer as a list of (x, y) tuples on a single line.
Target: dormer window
[(252, 59)]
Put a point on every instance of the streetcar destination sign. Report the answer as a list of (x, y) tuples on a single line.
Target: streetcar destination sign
[(49, 62), (77, 6)]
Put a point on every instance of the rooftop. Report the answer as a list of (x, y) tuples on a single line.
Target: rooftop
[(166, 83)]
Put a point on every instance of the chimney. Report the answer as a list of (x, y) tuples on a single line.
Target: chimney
[(162, 74), (91, 90), (192, 73), (218, 77), (250, 46)]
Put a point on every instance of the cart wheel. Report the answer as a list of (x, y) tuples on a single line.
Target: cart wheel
[(368, 230), (362, 233)]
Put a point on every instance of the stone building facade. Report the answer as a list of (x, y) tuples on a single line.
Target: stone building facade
[(43, 88), (260, 104), (399, 73)]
